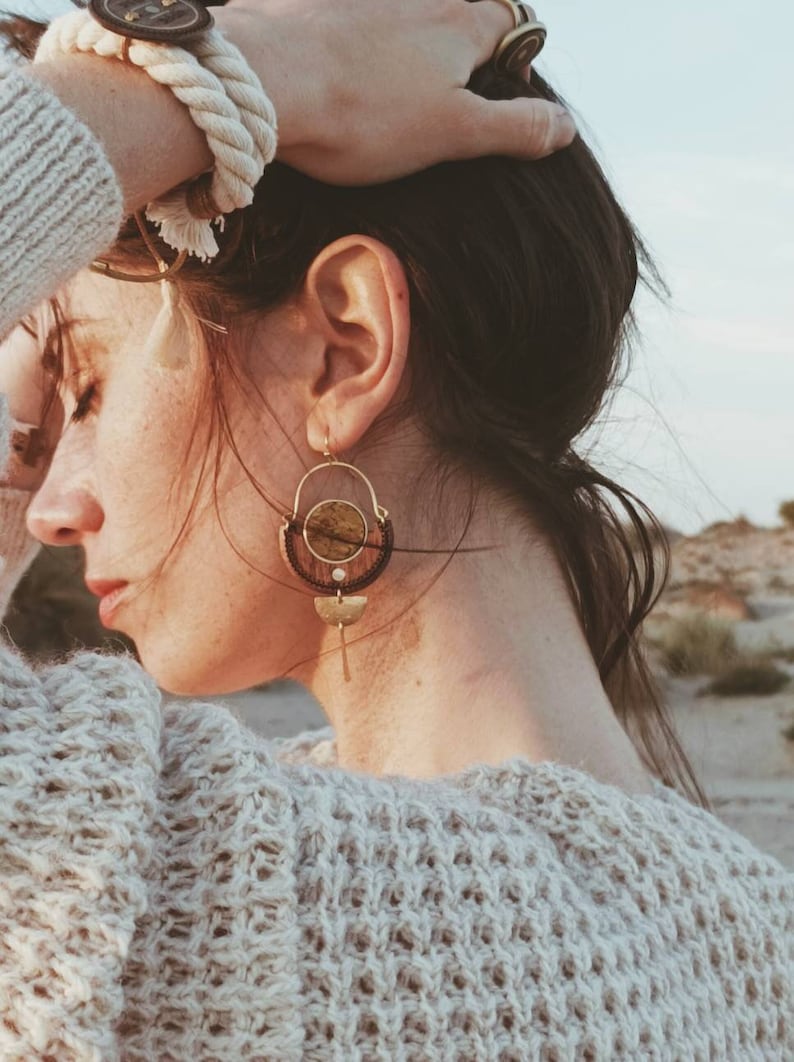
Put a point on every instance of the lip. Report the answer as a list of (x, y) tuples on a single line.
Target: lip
[(110, 593)]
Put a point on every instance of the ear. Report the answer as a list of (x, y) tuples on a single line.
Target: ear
[(356, 302)]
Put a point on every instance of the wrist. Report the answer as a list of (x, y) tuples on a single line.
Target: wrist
[(263, 38), (128, 113), (223, 96)]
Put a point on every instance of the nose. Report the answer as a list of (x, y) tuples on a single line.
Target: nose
[(65, 507)]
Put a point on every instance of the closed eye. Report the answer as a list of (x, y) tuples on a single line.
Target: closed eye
[(84, 403)]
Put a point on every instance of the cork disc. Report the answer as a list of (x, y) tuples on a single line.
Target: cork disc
[(335, 531)]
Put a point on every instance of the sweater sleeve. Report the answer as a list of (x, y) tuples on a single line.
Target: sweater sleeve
[(60, 206), (17, 546), (60, 201), (79, 764)]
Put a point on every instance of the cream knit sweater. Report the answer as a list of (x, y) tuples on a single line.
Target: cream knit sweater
[(173, 887)]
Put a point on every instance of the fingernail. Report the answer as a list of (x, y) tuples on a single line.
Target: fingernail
[(566, 126)]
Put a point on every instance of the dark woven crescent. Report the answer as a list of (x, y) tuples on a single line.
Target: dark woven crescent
[(302, 561)]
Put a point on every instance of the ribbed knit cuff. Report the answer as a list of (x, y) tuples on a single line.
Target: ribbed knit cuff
[(60, 201), (17, 547), (5, 439)]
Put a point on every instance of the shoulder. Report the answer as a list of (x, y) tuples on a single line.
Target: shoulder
[(579, 816), (559, 817), (543, 834), (67, 728), (110, 693)]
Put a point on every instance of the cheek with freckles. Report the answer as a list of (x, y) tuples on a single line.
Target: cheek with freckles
[(145, 475), (218, 611), (211, 607)]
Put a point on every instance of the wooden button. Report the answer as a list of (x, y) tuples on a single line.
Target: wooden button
[(161, 21)]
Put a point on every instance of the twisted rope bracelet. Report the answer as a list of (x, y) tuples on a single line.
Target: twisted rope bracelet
[(226, 101)]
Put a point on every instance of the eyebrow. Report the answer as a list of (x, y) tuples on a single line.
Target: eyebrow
[(49, 362), (82, 339), (30, 324), (93, 330)]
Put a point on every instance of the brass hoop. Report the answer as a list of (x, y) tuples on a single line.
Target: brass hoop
[(380, 512), (165, 271)]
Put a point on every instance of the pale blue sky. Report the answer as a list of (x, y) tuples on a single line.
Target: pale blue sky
[(692, 107), (692, 111)]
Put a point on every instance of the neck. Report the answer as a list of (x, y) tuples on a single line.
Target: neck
[(488, 663)]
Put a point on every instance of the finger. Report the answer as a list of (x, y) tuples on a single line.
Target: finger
[(489, 21), (523, 128)]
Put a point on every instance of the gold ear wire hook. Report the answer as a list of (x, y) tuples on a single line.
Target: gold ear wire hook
[(327, 450)]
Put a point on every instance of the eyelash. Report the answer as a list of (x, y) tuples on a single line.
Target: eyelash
[(84, 404)]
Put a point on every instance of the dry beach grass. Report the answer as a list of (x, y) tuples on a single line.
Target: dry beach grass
[(722, 637)]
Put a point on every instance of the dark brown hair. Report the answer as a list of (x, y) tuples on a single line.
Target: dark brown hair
[(521, 278)]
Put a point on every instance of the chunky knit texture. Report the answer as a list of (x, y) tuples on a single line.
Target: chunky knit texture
[(60, 201), (173, 888)]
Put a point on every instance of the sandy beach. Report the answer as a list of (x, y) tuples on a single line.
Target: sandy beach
[(743, 761)]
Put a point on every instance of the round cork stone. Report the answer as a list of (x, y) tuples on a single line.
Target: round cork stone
[(335, 531)]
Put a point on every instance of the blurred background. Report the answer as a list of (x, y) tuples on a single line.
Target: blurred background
[(691, 110)]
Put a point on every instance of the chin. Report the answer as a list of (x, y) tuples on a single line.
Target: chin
[(187, 676), (174, 681)]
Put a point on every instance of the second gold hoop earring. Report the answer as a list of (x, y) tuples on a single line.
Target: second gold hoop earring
[(335, 549)]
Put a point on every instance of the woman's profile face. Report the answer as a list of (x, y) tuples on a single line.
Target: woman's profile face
[(202, 589)]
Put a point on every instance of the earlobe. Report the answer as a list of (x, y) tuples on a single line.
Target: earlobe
[(357, 296)]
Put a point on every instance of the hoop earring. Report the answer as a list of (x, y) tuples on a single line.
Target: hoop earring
[(165, 271), (335, 550)]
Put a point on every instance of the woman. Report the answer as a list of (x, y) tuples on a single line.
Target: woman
[(476, 862)]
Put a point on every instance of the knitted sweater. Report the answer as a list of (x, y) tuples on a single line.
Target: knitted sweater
[(174, 887), (60, 202)]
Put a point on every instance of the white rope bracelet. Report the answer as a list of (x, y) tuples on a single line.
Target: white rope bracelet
[(225, 99)]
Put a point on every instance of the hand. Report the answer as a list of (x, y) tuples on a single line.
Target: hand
[(23, 382), (368, 92), (365, 91)]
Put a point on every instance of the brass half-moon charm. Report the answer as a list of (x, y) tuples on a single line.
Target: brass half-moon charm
[(336, 610)]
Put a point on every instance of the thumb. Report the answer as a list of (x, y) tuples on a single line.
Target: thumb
[(523, 128)]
